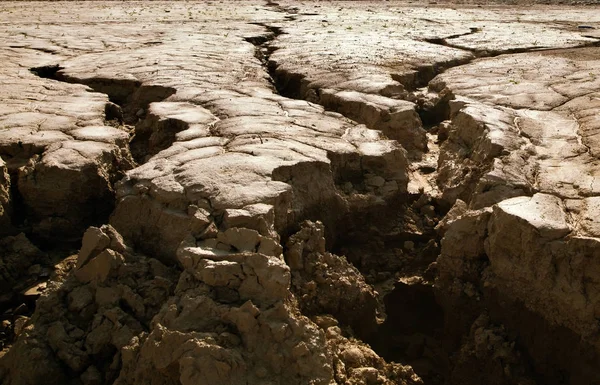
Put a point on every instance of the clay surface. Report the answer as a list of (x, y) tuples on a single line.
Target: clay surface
[(248, 192)]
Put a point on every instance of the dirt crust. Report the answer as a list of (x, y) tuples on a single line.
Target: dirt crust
[(316, 192)]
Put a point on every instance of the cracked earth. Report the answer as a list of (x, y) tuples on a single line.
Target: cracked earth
[(247, 192)]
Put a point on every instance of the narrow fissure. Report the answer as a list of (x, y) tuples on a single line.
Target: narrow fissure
[(263, 51), (479, 53)]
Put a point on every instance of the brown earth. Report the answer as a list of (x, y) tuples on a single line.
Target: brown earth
[(314, 192)]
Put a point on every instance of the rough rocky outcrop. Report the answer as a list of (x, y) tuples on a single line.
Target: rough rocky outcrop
[(483, 160), (253, 146), (273, 171), (525, 253)]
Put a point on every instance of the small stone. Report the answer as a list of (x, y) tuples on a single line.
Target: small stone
[(230, 339), (140, 113), (269, 247), (100, 267), (117, 243), (368, 373), (250, 308), (79, 298), (240, 238), (199, 219), (409, 245), (353, 357), (91, 376), (35, 290), (210, 231), (333, 332), (375, 181), (5, 325), (428, 210), (422, 201), (431, 272), (325, 321), (20, 323), (93, 242), (106, 296), (348, 187)]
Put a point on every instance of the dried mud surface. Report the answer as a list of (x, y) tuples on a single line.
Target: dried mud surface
[(247, 192)]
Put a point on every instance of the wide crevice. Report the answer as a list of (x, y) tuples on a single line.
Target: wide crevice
[(47, 72), (395, 247), (66, 227), (132, 96), (413, 330), (433, 110), (426, 73), (387, 242), (154, 134), (391, 247)]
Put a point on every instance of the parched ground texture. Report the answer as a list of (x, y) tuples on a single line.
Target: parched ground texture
[(249, 192)]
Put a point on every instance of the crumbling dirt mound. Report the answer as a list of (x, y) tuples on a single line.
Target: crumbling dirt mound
[(120, 317)]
